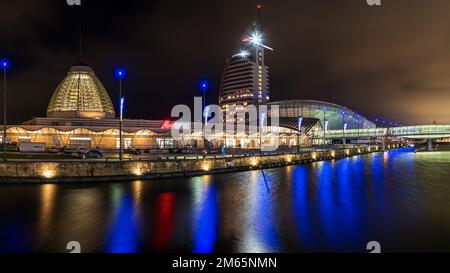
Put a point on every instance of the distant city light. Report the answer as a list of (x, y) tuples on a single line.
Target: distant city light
[(120, 73)]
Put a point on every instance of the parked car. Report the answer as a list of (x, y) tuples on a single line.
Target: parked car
[(53, 150), (92, 154), (68, 151), (133, 151)]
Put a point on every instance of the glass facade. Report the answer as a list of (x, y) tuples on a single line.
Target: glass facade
[(333, 115), (81, 91)]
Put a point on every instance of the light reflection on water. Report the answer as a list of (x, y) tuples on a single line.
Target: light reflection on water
[(398, 198)]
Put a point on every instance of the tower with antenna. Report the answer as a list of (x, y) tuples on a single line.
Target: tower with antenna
[(245, 79)]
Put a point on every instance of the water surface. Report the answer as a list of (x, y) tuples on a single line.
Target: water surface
[(398, 198)]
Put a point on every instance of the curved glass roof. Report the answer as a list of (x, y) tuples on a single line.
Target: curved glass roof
[(335, 115), (81, 94)]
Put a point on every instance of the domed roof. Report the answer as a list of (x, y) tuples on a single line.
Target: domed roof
[(80, 95)]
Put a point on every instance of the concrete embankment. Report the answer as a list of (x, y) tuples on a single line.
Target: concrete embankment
[(170, 167)]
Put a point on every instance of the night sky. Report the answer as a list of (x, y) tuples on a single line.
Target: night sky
[(391, 62)]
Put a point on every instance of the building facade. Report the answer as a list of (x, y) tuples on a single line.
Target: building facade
[(244, 82), (330, 116)]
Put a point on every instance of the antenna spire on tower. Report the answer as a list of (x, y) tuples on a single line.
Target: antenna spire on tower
[(259, 7)]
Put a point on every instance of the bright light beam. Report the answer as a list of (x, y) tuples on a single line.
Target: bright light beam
[(256, 39), (242, 54)]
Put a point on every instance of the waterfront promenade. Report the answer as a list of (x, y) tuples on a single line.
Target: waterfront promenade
[(164, 166)]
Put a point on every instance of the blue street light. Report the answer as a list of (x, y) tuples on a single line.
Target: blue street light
[(204, 85), (359, 127), (300, 123), (120, 74), (4, 63)]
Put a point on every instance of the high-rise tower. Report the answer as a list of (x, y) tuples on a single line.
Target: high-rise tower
[(245, 79)]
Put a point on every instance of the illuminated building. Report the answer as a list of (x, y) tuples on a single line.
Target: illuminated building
[(334, 116), (245, 79), (81, 114), (80, 95)]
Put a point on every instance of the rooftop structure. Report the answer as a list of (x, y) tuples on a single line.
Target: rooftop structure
[(335, 117), (80, 95)]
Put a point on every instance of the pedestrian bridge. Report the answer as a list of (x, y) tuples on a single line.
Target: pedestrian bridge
[(412, 132)]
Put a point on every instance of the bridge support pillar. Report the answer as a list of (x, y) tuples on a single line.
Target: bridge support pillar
[(430, 145)]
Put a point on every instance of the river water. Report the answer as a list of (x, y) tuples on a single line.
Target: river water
[(398, 198)]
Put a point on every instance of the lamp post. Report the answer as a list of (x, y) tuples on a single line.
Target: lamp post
[(261, 128), (357, 140), (324, 125), (204, 86), (5, 65), (343, 129), (300, 121), (120, 74)]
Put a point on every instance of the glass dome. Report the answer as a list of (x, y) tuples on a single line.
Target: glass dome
[(80, 95)]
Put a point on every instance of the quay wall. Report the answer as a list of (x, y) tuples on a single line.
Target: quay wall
[(166, 167)]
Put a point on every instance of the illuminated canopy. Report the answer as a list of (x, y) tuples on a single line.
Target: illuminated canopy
[(80, 95)]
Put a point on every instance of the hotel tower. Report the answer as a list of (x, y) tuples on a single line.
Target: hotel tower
[(245, 79)]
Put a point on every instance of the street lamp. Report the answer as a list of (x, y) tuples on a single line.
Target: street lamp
[(325, 124), (343, 129), (5, 65), (261, 128), (120, 74), (357, 140), (300, 121), (204, 86)]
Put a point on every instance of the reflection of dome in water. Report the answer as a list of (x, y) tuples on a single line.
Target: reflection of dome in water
[(80, 95)]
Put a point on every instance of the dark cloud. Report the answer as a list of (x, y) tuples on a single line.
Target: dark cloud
[(391, 61)]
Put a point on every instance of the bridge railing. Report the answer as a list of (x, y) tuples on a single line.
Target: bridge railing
[(419, 131), (353, 133)]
